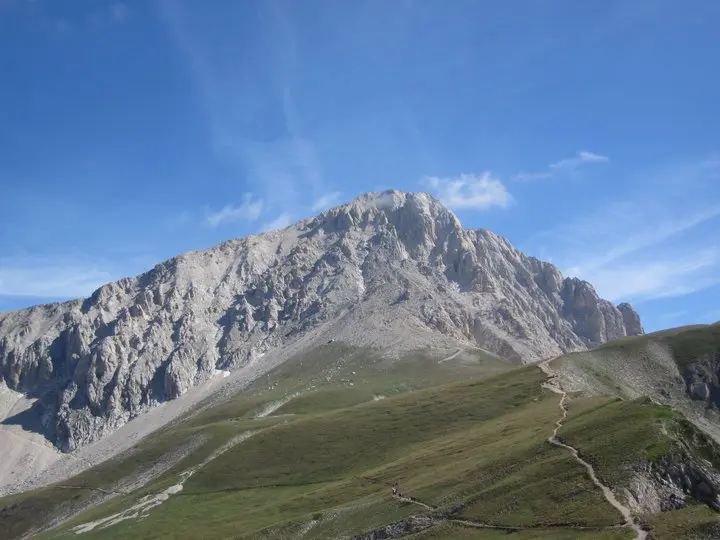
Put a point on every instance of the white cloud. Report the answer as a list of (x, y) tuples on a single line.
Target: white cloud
[(51, 280), (249, 210), (524, 176), (579, 159), (563, 165), (480, 192), (280, 222), (326, 201)]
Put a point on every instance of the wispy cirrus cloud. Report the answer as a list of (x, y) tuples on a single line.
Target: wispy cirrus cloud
[(625, 228), (246, 93), (249, 210), (52, 277), (563, 165), (649, 278), (62, 276), (657, 243), (476, 191)]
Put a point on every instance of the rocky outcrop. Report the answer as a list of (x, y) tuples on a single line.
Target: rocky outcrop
[(392, 269), (631, 320), (697, 355), (666, 484), (404, 527), (687, 470), (693, 477), (597, 320), (703, 381)]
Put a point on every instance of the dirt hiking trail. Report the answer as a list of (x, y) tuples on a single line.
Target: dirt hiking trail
[(437, 516), (553, 386)]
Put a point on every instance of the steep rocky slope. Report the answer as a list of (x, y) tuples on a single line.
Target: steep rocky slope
[(392, 269)]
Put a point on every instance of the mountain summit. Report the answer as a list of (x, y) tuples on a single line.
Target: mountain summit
[(392, 269)]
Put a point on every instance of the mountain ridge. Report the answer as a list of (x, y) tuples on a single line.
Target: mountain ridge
[(390, 269)]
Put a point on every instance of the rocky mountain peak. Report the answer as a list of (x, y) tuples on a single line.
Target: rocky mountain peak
[(417, 219), (391, 202), (393, 270)]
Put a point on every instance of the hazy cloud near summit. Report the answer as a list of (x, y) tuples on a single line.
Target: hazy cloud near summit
[(327, 201), (280, 222), (249, 210), (476, 191)]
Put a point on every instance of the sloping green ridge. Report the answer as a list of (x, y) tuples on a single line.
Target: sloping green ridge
[(687, 343), (325, 371), (324, 467), (444, 445)]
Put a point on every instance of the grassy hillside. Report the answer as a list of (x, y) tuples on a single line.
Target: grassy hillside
[(464, 439), (662, 365)]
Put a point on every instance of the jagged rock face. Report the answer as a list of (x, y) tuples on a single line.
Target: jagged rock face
[(392, 264), (631, 320), (702, 377), (666, 484)]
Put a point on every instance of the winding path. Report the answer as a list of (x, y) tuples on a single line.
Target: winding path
[(448, 358), (438, 517), (414, 501), (275, 405), (552, 385)]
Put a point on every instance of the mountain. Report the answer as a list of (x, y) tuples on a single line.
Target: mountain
[(374, 372), (390, 270)]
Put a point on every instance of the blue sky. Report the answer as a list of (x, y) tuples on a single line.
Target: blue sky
[(585, 132)]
